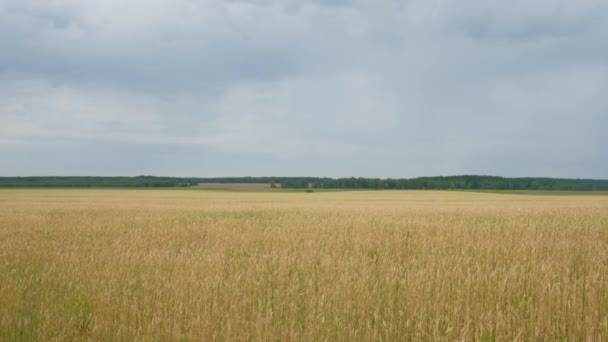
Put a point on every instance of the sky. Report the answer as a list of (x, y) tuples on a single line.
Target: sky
[(334, 88)]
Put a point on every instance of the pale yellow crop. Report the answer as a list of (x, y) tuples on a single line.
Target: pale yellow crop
[(123, 265)]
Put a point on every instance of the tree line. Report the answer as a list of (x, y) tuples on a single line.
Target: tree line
[(472, 182)]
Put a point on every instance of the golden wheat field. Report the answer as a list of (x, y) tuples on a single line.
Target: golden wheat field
[(122, 265)]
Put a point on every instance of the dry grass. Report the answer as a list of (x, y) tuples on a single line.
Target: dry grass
[(205, 265)]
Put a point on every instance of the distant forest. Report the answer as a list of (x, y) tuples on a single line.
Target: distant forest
[(437, 183)]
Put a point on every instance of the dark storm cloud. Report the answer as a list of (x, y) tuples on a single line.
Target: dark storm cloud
[(335, 88)]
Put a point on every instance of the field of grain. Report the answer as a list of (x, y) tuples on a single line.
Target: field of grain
[(162, 265), (236, 186)]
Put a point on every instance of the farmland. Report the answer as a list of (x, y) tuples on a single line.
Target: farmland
[(369, 265), (236, 186)]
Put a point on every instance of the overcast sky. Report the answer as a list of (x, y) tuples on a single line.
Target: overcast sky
[(381, 88)]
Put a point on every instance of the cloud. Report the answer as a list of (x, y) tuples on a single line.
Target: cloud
[(331, 88)]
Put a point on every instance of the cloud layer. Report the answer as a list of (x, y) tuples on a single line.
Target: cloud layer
[(321, 88)]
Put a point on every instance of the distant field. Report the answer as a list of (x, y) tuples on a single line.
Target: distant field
[(235, 186), (370, 265), (544, 192)]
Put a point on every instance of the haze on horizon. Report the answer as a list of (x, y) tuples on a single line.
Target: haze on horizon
[(332, 88)]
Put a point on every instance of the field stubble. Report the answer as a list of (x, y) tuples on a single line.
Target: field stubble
[(205, 265)]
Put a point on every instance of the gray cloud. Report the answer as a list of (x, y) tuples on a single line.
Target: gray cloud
[(327, 88)]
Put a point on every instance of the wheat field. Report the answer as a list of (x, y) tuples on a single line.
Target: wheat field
[(123, 265)]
